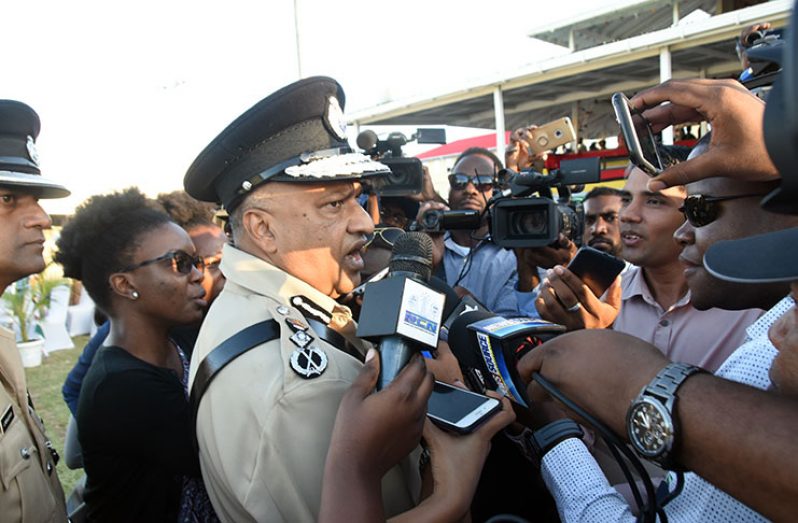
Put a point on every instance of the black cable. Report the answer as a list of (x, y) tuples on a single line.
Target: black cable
[(650, 510)]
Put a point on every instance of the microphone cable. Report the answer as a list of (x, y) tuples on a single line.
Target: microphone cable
[(653, 508)]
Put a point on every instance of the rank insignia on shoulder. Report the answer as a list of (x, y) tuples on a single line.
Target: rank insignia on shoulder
[(6, 419), (296, 325), (300, 339), (309, 362)]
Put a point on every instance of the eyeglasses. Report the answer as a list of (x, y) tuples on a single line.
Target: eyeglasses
[(482, 182), (701, 210), (387, 235), (182, 262)]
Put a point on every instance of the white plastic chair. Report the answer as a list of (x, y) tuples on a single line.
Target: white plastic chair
[(54, 325), (80, 317)]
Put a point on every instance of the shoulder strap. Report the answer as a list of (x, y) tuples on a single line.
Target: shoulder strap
[(227, 351)]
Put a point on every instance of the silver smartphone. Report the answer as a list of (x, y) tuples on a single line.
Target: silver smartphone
[(638, 136), (459, 410)]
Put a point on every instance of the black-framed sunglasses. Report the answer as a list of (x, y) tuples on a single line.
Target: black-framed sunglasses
[(701, 210), (387, 235), (483, 182), (181, 261)]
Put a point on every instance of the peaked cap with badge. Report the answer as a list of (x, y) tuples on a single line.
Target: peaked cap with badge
[(19, 162), (297, 134)]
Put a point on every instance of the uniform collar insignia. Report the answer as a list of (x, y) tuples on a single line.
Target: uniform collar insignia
[(312, 309)]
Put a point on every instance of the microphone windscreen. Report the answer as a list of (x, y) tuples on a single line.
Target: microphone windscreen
[(412, 252), (463, 341), (367, 140)]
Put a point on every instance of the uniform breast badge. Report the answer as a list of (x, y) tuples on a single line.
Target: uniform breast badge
[(309, 362)]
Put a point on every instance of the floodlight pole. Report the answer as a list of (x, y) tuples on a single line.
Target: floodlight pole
[(296, 34)]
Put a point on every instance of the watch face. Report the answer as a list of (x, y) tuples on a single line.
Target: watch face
[(650, 428)]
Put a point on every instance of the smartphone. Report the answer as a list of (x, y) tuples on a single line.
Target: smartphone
[(597, 269), (638, 136), (552, 135), (459, 410)]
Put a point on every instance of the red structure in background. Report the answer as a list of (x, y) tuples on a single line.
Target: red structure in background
[(613, 161)]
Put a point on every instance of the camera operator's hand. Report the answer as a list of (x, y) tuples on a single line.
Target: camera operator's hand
[(519, 155), (562, 290), (601, 370), (372, 433), (529, 259), (737, 149), (456, 463), (437, 237), (428, 192)]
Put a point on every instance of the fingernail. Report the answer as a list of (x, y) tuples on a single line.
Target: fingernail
[(370, 355), (559, 270), (458, 383), (655, 186)]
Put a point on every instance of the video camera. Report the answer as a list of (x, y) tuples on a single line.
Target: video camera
[(518, 219), (764, 50), (407, 175)]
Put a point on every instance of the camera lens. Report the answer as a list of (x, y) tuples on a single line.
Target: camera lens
[(558, 133), (530, 223), (431, 219)]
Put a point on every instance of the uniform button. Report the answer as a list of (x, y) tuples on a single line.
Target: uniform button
[(282, 309), (24, 452), (664, 323), (49, 467)]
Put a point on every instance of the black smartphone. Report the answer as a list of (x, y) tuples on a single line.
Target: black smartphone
[(459, 410), (597, 269), (638, 136)]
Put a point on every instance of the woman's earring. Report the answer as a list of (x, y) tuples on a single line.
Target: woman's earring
[(134, 295)]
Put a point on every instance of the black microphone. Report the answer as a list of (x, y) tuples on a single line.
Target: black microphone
[(401, 312)]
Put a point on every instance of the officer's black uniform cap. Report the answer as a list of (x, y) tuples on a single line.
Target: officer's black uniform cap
[(19, 161), (297, 134)]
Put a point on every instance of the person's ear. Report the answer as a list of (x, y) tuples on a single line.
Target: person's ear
[(123, 285), (259, 226)]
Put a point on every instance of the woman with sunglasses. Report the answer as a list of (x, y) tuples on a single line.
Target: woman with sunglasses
[(134, 422)]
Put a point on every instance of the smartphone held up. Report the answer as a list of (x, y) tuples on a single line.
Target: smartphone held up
[(638, 136)]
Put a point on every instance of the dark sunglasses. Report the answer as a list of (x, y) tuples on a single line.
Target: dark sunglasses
[(482, 182), (182, 262), (387, 235), (700, 210)]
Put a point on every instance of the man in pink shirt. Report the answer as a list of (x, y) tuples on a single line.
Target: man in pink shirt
[(655, 302)]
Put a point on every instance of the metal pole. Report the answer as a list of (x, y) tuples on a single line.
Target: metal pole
[(296, 34), (664, 75), (575, 122), (498, 110)]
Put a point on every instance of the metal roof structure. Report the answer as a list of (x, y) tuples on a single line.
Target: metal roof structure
[(619, 21), (580, 83)]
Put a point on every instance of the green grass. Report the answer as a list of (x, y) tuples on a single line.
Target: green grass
[(44, 384)]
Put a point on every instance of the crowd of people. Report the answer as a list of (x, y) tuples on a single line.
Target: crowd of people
[(226, 381)]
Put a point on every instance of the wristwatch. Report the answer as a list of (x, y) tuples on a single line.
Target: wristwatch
[(650, 424)]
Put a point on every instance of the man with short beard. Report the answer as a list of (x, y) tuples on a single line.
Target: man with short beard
[(602, 205)]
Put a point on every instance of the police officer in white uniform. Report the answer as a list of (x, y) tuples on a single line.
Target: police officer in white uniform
[(29, 486), (290, 182)]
